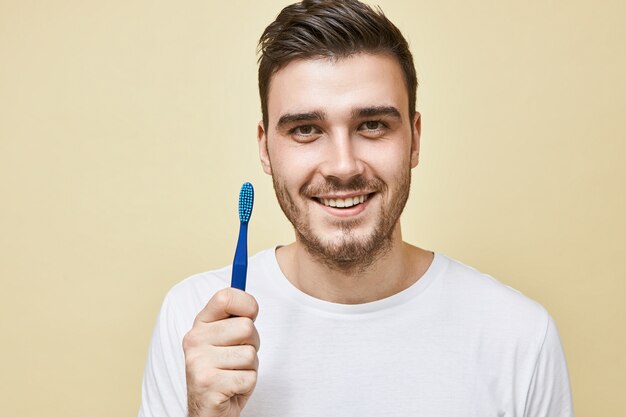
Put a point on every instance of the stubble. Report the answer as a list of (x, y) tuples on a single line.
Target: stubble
[(349, 254)]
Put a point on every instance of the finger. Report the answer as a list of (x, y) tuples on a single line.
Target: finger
[(232, 331), (228, 302), (242, 357), (227, 332), (233, 382)]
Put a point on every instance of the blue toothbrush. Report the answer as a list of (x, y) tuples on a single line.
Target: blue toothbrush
[(240, 264)]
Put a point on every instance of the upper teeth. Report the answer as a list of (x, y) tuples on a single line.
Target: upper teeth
[(344, 202)]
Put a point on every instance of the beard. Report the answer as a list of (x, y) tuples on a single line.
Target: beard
[(349, 253)]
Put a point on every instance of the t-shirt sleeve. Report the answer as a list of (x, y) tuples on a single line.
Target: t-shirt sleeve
[(164, 390), (549, 394)]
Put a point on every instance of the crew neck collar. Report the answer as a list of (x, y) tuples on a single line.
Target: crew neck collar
[(287, 289)]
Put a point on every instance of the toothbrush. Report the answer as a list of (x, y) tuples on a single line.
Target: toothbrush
[(240, 264)]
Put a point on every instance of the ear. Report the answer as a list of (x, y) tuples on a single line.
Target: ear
[(415, 139), (263, 152)]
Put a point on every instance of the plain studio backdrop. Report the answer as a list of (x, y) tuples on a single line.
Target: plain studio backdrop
[(127, 128)]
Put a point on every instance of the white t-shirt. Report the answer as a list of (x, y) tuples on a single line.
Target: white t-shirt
[(457, 343)]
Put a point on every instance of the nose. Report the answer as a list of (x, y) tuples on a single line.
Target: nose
[(342, 159)]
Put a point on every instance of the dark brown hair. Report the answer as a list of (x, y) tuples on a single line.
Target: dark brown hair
[(333, 29)]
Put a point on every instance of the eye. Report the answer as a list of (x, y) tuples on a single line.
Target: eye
[(304, 133), (372, 125), (373, 128), (304, 130)]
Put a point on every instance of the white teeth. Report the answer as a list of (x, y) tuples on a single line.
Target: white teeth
[(344, 202)]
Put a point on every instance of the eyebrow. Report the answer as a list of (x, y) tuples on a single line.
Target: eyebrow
[(359, 113), (288, 118), (377, 111)]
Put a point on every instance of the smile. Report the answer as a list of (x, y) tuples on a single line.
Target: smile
[(343, 202)]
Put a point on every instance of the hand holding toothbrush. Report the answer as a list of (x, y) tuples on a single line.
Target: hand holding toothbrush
[(221, 355), (221, 348)]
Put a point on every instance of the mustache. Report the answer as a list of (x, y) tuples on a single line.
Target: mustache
[(332, 185)]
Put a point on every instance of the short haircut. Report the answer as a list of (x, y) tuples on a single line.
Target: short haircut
[(330, 29)]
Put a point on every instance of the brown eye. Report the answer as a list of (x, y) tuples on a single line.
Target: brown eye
[(305, 130), (373, 129), (305, 133), (372, 125)]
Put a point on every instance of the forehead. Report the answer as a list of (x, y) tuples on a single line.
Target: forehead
[(337, 86)]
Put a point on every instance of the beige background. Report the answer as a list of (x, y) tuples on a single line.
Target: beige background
[(127, 127)]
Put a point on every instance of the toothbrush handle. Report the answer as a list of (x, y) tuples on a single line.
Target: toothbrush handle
[(240, 264)]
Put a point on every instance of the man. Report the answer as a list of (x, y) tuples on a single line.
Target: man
[(354, 321)]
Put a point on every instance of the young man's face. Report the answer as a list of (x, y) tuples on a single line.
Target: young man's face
[(340, 150)]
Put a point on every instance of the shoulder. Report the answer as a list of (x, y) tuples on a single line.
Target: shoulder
[(470, 284), (481, 297), (190, 295), (194, 289)]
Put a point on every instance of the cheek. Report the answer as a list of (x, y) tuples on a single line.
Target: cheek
[(293, 164), (386, 161)]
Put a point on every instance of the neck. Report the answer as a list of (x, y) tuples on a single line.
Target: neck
[(395, 270)]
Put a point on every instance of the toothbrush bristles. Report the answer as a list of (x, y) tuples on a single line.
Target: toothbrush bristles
[(246, 201)]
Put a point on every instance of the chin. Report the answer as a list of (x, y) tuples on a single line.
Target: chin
[(348, 251)]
